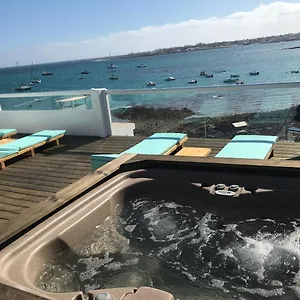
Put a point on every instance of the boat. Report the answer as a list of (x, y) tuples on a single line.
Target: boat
[(141, 66), (151, 83), (80, 77), (23, 87), (253, 73), (295, 72), (85, 72), (114, 77), (234, 76), (230, 80), (170, 78), (193, 81), (112, 66), (47, 73), (209, 75), (36, 80), (202, 73), (33, 80)]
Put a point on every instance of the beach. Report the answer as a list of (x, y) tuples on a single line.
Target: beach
[(149, 120)]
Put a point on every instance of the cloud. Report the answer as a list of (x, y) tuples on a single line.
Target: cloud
[(272, 19)]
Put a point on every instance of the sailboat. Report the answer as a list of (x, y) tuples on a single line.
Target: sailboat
[(112, 66), (113, 76), (33, 80), (22, 87)]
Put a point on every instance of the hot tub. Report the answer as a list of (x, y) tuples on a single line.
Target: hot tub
[(156, 228)]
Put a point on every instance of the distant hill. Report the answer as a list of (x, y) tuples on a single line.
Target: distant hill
[(202, 46)]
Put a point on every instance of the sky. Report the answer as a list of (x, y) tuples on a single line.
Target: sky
[(57, 30)]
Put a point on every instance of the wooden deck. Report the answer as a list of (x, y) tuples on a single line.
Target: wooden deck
[(28, 182)]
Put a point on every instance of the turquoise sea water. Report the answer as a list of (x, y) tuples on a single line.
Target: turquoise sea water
[(271, 60)]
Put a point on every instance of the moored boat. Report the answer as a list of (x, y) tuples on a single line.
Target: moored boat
[(112, 66), (85, 72), (230, 80), (193, 81), (295, 72), (114, 77), (141, 66), (202, 73), (255, 73), (36, 80), (209, 75), (23, 87), (234, 76), (170, 78), (47, 73), (151, 83)]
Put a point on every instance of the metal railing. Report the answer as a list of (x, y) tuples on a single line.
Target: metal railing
[(210, 111)]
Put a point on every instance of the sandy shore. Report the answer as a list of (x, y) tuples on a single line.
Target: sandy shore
[(149, 120)]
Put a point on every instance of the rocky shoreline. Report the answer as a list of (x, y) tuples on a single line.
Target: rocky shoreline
[(149, 120)]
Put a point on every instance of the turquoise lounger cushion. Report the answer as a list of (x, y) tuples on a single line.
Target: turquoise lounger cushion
[(156, 144), (50, 133), (7, 148), (248, 146), (99, 160), (25, 142), (6, 131), (6, 153), (294, 129)]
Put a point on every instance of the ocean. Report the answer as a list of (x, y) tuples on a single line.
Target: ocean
[(272, 61)]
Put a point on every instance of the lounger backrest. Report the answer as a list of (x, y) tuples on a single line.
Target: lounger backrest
[(248, 146), (156, 144), (6, 132), (49, 134), (25, 142)]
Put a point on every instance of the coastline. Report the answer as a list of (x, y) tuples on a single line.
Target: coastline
[(149, 120)]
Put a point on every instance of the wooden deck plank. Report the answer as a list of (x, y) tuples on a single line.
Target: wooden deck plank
[(33, 186), (21, 196), (25, 191), (41, 172), (11, 208), (28, 177), (21, 203), (37, 181), (8, 215)]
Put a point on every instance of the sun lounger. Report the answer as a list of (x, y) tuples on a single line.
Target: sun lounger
[(51, 135), (28, 144), (6, 133), (294, 129), (249, 147), (156, 144)]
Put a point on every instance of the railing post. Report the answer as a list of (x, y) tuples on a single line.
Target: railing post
[(101, 104), (104, 102)]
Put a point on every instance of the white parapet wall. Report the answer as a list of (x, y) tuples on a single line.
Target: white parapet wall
[(122, 129), (91, 122)]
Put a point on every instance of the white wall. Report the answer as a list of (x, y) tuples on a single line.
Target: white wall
[(94, 122), (76, 122), (122, 129)]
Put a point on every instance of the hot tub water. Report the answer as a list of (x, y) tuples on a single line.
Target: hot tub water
[(185, 251)]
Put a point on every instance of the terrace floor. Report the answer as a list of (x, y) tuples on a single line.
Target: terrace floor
[(28, 182)]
